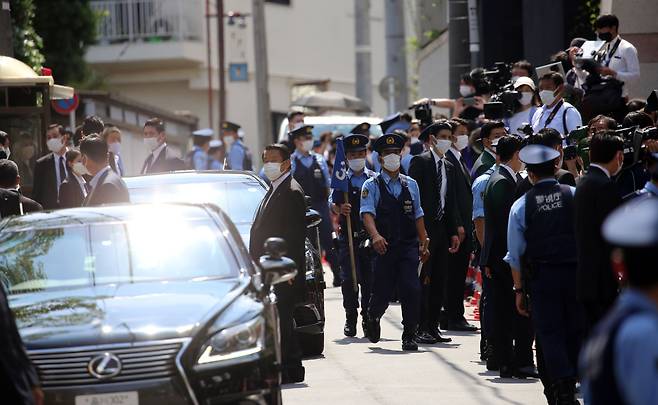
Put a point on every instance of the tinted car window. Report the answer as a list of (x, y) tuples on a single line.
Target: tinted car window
[(138, 250)]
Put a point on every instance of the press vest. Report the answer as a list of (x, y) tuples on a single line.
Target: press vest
[(311, 179), (549, 218), (395, 217)]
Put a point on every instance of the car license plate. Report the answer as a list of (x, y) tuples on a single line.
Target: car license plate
[(116, 398)]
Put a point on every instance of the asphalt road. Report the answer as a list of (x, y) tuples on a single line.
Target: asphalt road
[(355, 371)]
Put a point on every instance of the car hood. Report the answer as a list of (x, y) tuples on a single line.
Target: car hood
[(120, 313)]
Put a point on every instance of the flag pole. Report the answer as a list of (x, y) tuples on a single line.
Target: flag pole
[(350, 241)]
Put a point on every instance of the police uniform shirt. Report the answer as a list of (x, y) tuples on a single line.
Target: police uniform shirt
[(573, 119), (236, 155), (355, 181), (307, 161), (478, 187), (199, 159), (516, 227), (216, 165), (624, 61), (370, 193)]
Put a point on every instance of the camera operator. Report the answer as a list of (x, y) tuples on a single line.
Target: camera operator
[(600, 123), (525, 107), (620, 56), (474, 91), (634, 174), (555, 112)]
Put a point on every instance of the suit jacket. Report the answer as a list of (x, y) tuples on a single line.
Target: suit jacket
[(110, 189), (563, 177), (482, 164), (70, 193), (45, 185), (9, 206), (464, 198), (498, 199), (282, 214), (17, 375), (596, 196), (423, 170), (166, 161)]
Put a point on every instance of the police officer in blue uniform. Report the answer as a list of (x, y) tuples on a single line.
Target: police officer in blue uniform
[(312, 173), (216, 155), (393, 217), (238, 156), (355, 152), (197, 158), (541, 240), (619, 364), (389, 125)]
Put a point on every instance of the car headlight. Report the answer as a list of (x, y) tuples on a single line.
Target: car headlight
[(237, 341)]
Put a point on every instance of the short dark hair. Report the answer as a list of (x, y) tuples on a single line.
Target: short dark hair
[(555, 77), (156, 123), (546, 169), (546, 136), (441, 125), (525, 65), (71, 155), (489, 126), (93, 124), (3, 138), (58, 127), (281, 148), (607, 21), (94, 147), (604, 146), (637, 118), (198, 140), (8, 173), (610, 122), (636, 104), (507, 146), (456, 122)]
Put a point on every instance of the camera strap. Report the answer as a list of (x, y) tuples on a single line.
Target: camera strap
[(611, 53), (553, 113)]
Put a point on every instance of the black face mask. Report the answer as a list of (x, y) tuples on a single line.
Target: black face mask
[(605, 36)]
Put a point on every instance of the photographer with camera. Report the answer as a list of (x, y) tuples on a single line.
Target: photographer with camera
[(555, 112), (639, 134), (474, 91), (525, 107), (619, 56)]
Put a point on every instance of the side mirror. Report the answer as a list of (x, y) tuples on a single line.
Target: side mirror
[(275, 267), (313, 219)]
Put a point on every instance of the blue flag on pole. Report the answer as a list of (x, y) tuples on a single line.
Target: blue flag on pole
[(339, 176)]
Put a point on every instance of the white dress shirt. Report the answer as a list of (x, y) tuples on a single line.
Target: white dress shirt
[(509, 169), (81, 182), (603, 169), (573, 118), (624, 61), (94, 181), (155, 153)]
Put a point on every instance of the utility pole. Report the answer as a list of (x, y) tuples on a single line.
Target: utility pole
[(209, 63), (6, 46), (261, 72), (362, 48), (396, 63), (459, 55), (222, 62), (473, 33)]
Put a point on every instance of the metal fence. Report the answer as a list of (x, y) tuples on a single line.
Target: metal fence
[(148, 20)]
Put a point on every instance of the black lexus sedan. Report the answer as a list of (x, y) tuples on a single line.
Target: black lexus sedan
[(143, 304), (238, 194)]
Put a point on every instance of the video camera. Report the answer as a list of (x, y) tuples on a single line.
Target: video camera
[(423, 113), (503, 100)]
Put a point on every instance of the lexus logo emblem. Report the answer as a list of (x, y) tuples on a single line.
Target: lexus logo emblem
[(104, 366)]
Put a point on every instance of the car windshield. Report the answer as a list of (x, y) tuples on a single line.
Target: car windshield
[(143, 249), (238, 199)]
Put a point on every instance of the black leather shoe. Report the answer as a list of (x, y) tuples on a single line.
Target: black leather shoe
[(437, 336), (425, 338), (461, 326), (291, 375), (564, 392), (506, 372), (350, 327), (364, 325), (374, 330), (526, 372), (409, 344), (337, 281)]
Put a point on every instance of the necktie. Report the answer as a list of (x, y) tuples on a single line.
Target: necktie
[(87, 187), (439, 182), (464, 167), (62, 170), (518, 177), (147, 164)]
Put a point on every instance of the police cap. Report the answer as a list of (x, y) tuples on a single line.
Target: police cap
[(304, 130), (434, 129), (355, 142), (389, 141), (363, 129), (215, 143), (230, 126), (393, 122), (633, 225), (204, 132), (538, 154)]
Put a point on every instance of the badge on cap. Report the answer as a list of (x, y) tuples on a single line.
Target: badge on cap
[(355, 141), (390, 140)]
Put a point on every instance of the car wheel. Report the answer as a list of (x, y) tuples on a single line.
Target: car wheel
[(312, 345), (275, 397)]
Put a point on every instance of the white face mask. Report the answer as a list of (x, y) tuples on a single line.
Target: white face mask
[(526, 98), (229, 141), (151, 143), (462, 142), (272, 170), (55, 144), (357, 164), (6, 150), (442, 146), (297, 125), (547, 97), (391, 162), (80, 169), (114, 148), (307, 145), (465, 90), (414, 140)]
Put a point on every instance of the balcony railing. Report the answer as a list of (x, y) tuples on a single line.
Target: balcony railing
[(148, 20)]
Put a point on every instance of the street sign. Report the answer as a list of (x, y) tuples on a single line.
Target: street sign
[(390, 87), (66, 106), (238, 72)]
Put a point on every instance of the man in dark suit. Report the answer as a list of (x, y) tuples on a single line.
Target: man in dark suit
[(511, 348), (458, 262), (106, 187), (489, 132), (282, 214), (553, 139), (50, 170), (73, 190), (161, 158), (436, 181), (12, 202), (596, 196)]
